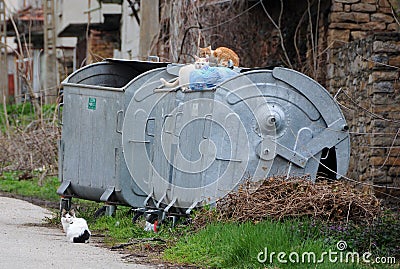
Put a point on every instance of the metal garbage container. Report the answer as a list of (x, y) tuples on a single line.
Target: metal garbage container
[(127, 140), (91, 164), (189, 148)]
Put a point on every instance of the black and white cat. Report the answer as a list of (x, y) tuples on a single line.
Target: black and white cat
[(76, 229)]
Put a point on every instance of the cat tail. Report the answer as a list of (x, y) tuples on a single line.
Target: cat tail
[(169, 84), (82, 238)]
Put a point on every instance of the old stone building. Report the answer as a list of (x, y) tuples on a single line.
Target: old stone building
[(363, 63)]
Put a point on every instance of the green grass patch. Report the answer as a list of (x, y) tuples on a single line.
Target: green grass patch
[(11, 182), (232, 245), (380, 237), (22, 114), (118, 229)]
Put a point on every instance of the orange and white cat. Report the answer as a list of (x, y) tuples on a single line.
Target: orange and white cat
[(222, 56)]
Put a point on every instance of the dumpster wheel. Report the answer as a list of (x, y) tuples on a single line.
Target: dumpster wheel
[(100, 212), (106, 210), (65, 204), (137, 216), (147, 216)]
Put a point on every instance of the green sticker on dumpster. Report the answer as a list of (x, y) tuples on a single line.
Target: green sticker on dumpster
[(92, 103)]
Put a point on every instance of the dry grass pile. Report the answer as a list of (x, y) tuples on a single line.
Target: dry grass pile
[(31, 149), (280, 198)]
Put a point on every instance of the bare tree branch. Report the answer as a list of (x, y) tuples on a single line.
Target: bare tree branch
[(278, 27)]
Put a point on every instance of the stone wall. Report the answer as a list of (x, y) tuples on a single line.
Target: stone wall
[(356, 19), (363, 72)]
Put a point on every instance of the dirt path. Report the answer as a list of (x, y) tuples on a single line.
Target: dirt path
[(24, 244)]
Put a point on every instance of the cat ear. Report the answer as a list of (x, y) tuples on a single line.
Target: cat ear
[(209, 47), (196, 58), (72, 212), (63, 212), (207, 58)]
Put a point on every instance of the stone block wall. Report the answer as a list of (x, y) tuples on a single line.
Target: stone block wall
[(363, 63), (364, 76), (357, 19)]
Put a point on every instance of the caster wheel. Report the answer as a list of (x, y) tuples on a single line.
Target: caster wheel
[(136, 217), (65, 204), (100, 212)]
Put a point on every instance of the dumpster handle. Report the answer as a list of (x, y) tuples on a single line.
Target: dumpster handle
[(207, 125), (120, 112), (147, 125), (60, 121), (164, 126)]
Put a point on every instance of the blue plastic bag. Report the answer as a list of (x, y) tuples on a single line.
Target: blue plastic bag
[(209, 77)]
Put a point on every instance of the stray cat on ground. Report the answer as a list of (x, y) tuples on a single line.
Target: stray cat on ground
[(184, 73), (76, 229), (222, 56)]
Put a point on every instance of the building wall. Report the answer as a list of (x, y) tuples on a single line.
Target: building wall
[(76, 12), (101, 45), (129, 33), (363, 72), (11, 75), (14, 5)]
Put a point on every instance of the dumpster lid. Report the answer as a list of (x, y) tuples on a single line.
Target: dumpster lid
[(112, 74), (140, 66)]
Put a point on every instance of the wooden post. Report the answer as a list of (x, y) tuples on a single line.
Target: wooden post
[(50, 77), (149, 25)]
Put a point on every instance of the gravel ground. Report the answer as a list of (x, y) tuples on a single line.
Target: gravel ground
[(26, 244)]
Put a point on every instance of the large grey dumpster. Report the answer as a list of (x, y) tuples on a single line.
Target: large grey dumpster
[(126, 140), (91, 164), (193, 147)]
